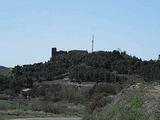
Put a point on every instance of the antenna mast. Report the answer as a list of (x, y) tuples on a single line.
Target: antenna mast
[(93, 43)]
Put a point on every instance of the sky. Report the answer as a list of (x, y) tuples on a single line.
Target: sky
[(30, 28)]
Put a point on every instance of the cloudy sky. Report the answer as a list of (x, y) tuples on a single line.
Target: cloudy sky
[(30, 28)]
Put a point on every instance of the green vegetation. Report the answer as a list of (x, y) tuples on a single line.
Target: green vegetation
[(70, 81), (12, 105), (121, 110), (135, 102), (13, 109), (81, 67), (5, 72)]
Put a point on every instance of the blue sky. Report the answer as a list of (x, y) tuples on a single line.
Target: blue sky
[(29, 28)]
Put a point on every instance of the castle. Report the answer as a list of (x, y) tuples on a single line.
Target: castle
[(61, 52), (56, 53)]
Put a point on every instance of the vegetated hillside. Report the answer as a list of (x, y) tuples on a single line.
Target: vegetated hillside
[(69, 81), (5, 76), (137, 102), (85, 67), (2, 68)]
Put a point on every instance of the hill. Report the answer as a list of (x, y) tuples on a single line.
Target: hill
[(80, 67), (72, 81), (2, 68)]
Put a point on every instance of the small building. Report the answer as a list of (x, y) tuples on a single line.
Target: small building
[(27, 92)]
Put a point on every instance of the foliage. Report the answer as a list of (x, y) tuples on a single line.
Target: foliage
[(121, 110), (97, 67), (135, 102), (13, 105)]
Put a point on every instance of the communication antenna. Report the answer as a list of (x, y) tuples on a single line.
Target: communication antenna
[(93, 43)]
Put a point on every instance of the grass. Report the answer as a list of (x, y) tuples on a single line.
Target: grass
[(12, 105), (135, 102), (109, 112), (126, 109), (135, 111), (12, 109)]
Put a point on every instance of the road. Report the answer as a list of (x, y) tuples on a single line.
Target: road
[(50, 119)]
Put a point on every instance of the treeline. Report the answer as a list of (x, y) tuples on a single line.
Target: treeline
[(82, 67)]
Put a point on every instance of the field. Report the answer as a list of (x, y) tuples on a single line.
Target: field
[(12, 109)]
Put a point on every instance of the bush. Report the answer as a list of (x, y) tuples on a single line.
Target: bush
[(48, 106)]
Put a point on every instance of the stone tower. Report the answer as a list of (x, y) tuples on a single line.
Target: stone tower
[(159, 57), (54, 52)]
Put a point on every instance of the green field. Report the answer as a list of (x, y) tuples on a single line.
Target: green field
[(12, 105)]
